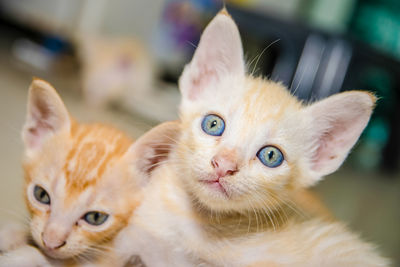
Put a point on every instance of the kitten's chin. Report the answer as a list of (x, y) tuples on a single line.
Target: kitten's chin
[(58, 255), (216, 204), (216, 188), (214, 194)]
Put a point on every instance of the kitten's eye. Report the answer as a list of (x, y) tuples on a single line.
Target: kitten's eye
[(270, 156), (213, 125), (95, 217), (41, 195)]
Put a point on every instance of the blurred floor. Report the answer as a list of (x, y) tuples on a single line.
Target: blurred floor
[(368, 202)]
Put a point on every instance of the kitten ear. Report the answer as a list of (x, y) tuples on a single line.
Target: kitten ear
[(337, 123), (219, 54), (154, 147), (46, 114)]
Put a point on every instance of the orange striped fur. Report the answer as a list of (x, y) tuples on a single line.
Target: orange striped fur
[(83, 168)]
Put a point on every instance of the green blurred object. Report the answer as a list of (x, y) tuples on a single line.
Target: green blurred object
[(368, 155), (330, 15), (378, 23)]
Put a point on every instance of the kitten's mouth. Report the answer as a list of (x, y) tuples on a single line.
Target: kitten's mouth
[(59, 254), (215, 184)]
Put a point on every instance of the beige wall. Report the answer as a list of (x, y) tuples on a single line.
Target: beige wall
[(69, 17)]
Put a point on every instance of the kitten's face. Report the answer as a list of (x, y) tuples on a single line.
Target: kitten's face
[(246, 142), (255, 155), (79, 189)]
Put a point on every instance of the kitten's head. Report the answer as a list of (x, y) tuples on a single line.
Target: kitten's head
[(79, 186), (114, 69), (247, 141)]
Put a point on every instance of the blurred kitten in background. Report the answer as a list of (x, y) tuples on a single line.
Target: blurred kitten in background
[(114, 70)]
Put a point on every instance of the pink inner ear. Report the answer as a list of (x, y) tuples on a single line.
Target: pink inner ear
[(153, 148), (335, 143), (37, 131), (325, 151), (205, 77), (158, 154), (39, 124), (36, 134)]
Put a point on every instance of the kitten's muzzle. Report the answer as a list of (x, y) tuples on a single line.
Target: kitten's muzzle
[(54, 237), (225, 164)]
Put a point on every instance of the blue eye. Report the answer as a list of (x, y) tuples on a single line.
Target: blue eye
[(213, 125), (270, 156)]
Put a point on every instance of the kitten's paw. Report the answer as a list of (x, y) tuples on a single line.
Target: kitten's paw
[(25, 256), (12, 236)]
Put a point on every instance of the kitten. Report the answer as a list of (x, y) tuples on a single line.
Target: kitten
[(233, 191), (79, 187), (114, 70)]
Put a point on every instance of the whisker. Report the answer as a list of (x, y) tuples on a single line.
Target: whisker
[(260, 55), (23, 217)]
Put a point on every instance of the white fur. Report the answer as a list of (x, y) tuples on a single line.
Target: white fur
[(166, 231), (24, 256), (215, 82), (177, 239), (12, 236)]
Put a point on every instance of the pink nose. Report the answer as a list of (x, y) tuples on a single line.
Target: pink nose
[(54, 237), (224, 165)]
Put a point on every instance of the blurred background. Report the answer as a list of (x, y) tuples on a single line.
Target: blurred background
[(119, 61)]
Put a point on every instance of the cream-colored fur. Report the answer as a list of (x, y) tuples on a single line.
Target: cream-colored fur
[(256, 215), (182, 237), (262, 216), (24, 256)]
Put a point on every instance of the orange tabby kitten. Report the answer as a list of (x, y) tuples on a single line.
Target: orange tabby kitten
[(233, 190), (79, 187)]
